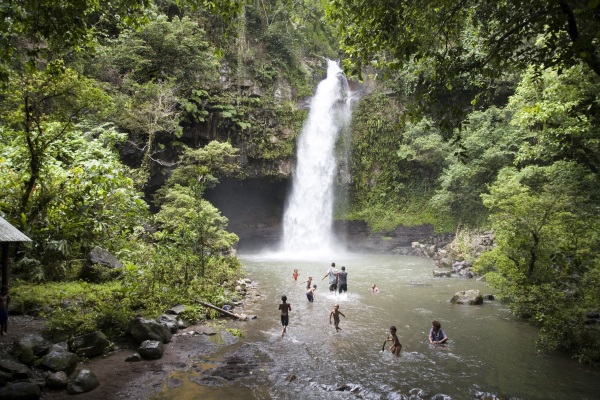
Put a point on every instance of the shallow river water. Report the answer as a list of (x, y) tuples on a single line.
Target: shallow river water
[(489, 351)]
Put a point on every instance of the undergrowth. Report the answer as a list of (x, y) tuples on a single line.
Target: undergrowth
[(382, 217)]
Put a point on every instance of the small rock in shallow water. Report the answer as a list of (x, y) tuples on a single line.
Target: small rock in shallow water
[(174, 382), (134, 357)]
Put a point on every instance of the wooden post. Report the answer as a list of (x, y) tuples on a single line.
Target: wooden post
[(5, 264)]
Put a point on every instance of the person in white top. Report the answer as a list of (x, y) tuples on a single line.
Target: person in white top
[(332, 273)]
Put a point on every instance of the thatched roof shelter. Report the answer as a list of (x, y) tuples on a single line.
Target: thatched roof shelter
[(8, 234)]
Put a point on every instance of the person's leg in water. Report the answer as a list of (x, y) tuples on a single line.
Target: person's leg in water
[(284, 322)]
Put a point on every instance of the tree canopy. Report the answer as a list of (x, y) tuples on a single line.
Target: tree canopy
[(34, 29), (450, 38)]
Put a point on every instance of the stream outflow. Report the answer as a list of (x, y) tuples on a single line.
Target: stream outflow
[(489, 351)]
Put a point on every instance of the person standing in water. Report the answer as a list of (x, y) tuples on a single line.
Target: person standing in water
[(436, 335), (310, 293), (284, 307), (335, 313), (343, 280), (396, 345), (295, 275), (332, 273), (308, 282)]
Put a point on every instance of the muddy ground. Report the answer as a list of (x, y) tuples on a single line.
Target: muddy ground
[(150, 379), (128, 380)]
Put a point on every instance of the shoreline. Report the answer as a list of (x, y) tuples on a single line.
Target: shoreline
[(144, 379)]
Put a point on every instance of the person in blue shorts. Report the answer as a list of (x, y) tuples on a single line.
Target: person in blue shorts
[(310, 293)]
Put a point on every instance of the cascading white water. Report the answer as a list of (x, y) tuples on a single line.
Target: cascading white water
[(307, 222)]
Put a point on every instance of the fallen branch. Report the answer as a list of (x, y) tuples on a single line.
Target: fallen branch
[(240, 317)]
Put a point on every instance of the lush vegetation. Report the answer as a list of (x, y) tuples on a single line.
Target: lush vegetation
[(114, 120), (479, 115), (489, 116)]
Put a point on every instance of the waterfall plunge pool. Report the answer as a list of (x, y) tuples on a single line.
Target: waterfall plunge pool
[(489, 351)]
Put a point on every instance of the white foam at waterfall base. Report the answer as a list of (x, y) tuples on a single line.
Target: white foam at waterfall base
[(307, 222)]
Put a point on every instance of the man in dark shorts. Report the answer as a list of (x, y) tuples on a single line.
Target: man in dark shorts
[(333, 277), (343, 280), (284, 307)]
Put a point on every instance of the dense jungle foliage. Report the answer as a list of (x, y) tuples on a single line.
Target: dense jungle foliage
[(488, 118), (114, 120), (475, 115)]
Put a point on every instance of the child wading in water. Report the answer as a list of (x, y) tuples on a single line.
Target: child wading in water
[(4, 301), (396, 345), (308, 282), (310, 293), (284, 307), (436, 335), (295, 275), (335, 313)]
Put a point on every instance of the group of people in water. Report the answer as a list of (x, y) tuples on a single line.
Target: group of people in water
[(338, 281)]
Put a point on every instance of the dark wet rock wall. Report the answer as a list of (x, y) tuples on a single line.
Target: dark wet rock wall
[(255, 210)]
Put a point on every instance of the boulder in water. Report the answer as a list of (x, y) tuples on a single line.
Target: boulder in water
[(470, 297)]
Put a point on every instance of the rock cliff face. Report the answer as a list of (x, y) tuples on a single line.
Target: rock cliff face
[(255, 210), (359, 237)]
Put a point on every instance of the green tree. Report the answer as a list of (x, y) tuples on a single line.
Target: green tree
[(394, 164), (155, 75), (546, 260), (557, 117), (196, 228), (42, 107), (487, 144), (153, 110), (200, 168), (84, 197), (47, 29), (42, 29), (174, 50)]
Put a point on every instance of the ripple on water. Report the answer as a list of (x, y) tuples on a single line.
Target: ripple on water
[(410, 299), (422, 311)]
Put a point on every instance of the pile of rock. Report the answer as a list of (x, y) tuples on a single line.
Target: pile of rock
[(39, 363), (450, 263)]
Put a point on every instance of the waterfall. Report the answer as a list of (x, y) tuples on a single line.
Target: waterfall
[(307, 221)]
